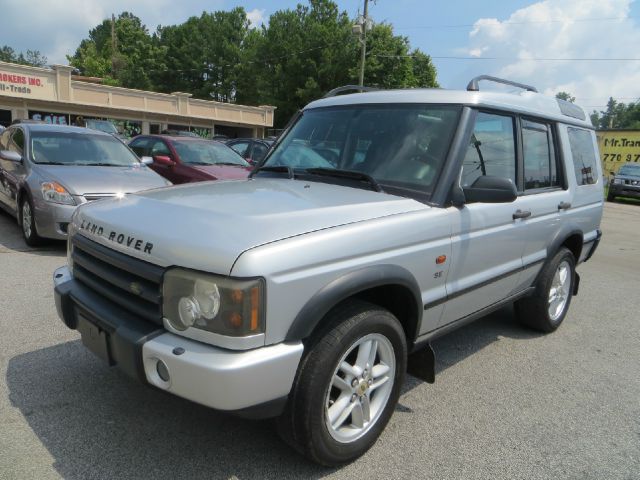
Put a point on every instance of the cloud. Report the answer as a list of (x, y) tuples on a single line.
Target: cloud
[(256, 17), (56, 28), (563, 29)]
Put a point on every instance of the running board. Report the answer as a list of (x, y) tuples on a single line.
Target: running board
[(422, 364)]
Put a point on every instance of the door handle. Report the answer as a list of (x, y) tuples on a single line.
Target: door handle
[(564, 206), (521, 214)]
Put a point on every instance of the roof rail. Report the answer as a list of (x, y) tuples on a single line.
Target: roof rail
[(348, 88), (473, 84)]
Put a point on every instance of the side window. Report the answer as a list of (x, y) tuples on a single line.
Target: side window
[(584, 156), (16, 144), (258, 153), (140, 146), (492, 150), (159, 148), (540, 169), (240, 147)]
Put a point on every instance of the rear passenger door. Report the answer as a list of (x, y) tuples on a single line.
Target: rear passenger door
[(487, 242), (545, 195)]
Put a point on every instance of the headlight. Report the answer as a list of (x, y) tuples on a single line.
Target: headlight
[(617, 181), (216, 304), (56, 193)]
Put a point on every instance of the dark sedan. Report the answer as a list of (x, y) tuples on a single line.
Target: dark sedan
[(186, 159), (253, 150)]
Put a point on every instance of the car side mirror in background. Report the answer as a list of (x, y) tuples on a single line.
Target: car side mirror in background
[(489, 189), (613, 174), (11, 156), (164, 161), (146, 160)]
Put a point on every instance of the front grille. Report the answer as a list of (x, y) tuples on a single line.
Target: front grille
[(90, 197), (130, 283)]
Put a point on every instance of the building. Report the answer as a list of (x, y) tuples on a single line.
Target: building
[(55, 95)]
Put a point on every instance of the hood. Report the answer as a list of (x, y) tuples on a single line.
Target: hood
[(207, 225), (80, 180), (223, 172)]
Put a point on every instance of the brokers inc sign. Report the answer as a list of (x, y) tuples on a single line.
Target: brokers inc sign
[(12, 84)]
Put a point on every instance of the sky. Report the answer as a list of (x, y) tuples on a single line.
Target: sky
[(588, 48)]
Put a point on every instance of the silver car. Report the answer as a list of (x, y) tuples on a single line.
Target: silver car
[(46, 171)]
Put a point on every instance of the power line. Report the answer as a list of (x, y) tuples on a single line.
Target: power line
[(511, 59), (531, 22)]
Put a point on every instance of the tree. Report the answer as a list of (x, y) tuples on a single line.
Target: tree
[(130, 57), (32, 57), (565, 96)]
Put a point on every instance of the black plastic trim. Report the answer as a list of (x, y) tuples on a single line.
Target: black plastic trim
[(347, 286), (596, 242), (126, 333), (482, 284), (449, 327)]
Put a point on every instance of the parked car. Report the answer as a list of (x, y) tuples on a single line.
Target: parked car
[(253, 150), (625, 183), (186, 159), (48, 170), (379, 222)]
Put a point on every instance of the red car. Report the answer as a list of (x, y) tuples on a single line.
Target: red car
[(190, 159)]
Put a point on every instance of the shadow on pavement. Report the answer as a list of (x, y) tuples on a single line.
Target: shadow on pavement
[(11, 239), (97, 423)]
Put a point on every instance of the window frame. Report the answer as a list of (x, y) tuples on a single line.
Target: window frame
[(552, 138)]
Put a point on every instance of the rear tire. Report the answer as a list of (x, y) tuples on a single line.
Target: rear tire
[(28, 223), (347, 385), (546, 309)]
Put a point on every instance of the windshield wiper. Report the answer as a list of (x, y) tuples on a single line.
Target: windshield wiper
[(351, 174), (98, 164), (276, 169), (229, 163)]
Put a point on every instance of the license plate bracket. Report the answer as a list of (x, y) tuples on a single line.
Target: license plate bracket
[(95, 339)]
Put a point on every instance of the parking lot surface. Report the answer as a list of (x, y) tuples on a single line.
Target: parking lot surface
[(507, 403)]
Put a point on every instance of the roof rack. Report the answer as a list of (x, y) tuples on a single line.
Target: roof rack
[(348, 88), (473, 84)]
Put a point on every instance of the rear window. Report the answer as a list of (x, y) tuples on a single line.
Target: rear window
[(584, 156)]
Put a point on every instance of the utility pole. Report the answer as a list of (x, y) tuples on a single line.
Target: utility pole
[(363, 40), (114, 45)]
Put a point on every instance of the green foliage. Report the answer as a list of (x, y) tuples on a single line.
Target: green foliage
[(617, 115), (301, 54), (32, 57), (131, 64)]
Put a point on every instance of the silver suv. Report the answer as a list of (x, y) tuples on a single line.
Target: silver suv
[(378, 222)]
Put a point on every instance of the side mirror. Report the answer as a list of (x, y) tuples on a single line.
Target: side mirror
[(613, 174), (11, 156), (488, 189), (251, 161), (164, 161), (146, 160)]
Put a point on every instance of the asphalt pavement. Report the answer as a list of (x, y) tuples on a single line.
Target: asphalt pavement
[(508, 403)]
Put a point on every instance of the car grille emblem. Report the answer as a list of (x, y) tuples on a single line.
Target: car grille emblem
[(135, 288)]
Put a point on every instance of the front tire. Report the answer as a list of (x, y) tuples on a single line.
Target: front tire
[(546, 309), (347, 385), (611, 197), (28, 223)]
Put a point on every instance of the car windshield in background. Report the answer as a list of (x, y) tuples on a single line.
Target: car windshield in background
[(398, 146), (631, 170), (103, 126), (206, 152), (73, 148)]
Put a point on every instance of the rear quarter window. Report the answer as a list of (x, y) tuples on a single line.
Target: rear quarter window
[(584, 155)]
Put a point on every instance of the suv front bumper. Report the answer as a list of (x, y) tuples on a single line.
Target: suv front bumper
[(214, 377)]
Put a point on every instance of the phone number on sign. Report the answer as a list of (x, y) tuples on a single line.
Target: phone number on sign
[(613, 157)]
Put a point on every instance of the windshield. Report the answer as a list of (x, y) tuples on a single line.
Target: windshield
[(631, 170), (206, 152), (103, 126), (75, 148), (401, 146)]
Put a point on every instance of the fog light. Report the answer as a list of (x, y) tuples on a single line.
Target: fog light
[(163, 371)]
